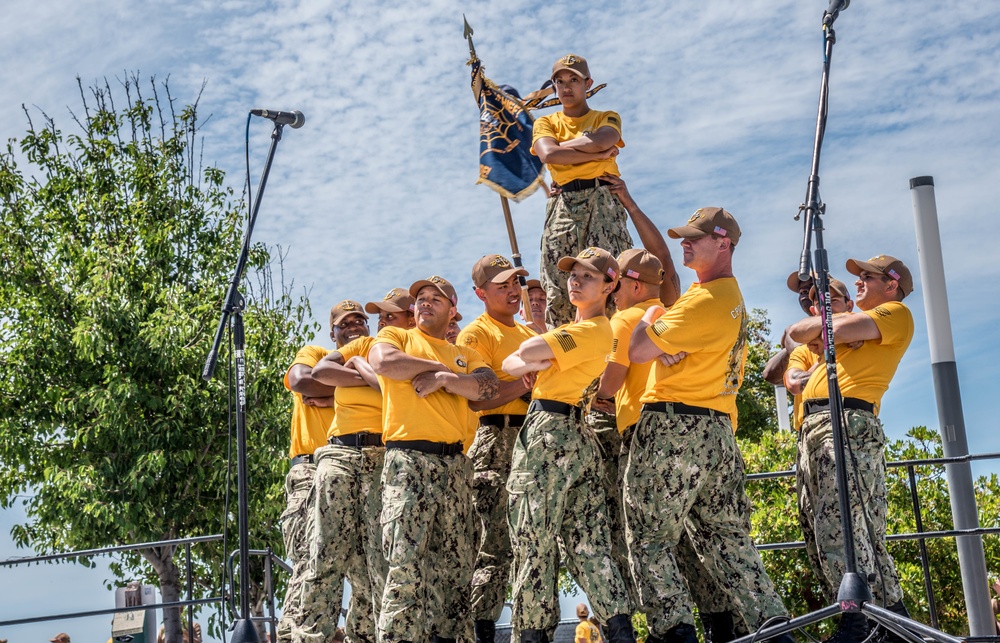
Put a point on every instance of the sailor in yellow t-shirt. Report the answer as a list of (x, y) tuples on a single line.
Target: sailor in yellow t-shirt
[(554, 492), (426, 481), (806, 358), (494, 335), (579, 145), (876, 340), (345, 540), (312, 413), (685, 474)]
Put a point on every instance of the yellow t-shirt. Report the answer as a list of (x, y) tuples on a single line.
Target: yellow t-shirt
[(309, 423), (565, 128), (359, 408), (803, 359), (581, 351), (439, 417), (864, 373), (495, 342), (627, 405), (709, 323), (588, 632)]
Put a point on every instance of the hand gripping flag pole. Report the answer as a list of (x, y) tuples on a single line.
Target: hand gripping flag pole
[(506, 163)]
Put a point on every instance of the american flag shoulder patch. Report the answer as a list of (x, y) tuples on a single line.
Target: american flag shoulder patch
[(566, 341), (614, 345), (659, 327)]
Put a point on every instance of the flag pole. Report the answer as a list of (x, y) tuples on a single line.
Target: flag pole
[(504, 201), (515, 255)]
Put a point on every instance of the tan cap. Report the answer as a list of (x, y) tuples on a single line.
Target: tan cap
[(708, 221), (836, 286), (396, 300), (345, 308), (595, 259), (890, 267), (573, 63), (641, 265), (495, 268), (457, 317), (794, 283), (582, 611), (534, 283), (442, 284), (61, 637)]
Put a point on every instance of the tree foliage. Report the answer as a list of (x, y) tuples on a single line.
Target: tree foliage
[(116, 251)]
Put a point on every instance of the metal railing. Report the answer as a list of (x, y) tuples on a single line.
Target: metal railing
[(270, 560), (919, 535)]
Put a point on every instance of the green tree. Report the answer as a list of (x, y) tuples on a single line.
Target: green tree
[(116, 251)]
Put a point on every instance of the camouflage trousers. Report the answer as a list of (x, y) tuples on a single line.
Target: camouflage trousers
[(298, 487), (555, 493), (709, 598), (574, 221), (427, 540), (685, 475), (610, 443), (490, 454), (344, 542), (819, 507)]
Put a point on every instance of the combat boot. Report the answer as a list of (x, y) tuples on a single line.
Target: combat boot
[(620, 629), (718, 626), (485, 631), (680, 633), (853, 628)]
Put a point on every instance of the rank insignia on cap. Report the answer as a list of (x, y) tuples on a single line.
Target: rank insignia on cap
[(569, 60), (695, 216), (587, 253), (392, 293), (500, 262), (436, 280), (720, 231), (348, 305)]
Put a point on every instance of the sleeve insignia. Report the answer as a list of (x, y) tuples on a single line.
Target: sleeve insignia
[(566, 341)]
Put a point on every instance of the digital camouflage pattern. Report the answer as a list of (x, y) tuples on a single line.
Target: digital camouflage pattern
[(685, 474), (554, 494), (491, 455), (298, 486), (343, 542), (427, 528), (574, 221), (819, 506), (609, 443)]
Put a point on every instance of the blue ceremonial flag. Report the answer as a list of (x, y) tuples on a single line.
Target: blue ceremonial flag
[(506, 163)]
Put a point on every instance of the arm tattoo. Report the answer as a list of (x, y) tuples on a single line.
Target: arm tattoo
[(489, 385)]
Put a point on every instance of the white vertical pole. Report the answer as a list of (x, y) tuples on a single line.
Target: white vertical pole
[(971, 556), (781, 401)]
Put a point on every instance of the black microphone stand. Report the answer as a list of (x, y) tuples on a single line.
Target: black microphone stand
[(243, 630), (853, 595)]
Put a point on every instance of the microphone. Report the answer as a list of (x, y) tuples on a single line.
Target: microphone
[(295, 119), (836, 6)]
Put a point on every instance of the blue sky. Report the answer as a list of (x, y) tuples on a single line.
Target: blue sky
[(718, 102)]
